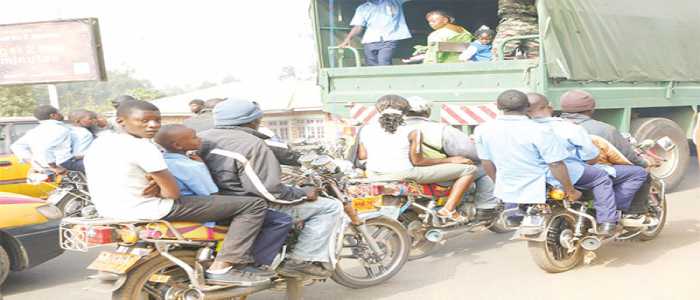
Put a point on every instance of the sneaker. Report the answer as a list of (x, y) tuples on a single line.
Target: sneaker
[(295, 268), (638, 221), (259, 271), (238, 277)]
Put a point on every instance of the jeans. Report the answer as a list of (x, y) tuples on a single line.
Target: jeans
[(272, 236), (484, 191), (246, 215), (320, 218), (626, 183), (600, 183), (74, 165), (379, 53)]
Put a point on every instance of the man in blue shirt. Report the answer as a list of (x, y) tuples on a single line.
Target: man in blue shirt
[(522, 156), (193, 179), (384, 24), (48, 145)]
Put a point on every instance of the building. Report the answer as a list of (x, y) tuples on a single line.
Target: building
[(293, 109)]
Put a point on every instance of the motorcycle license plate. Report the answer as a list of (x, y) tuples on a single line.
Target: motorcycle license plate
[(366, 204), (112, 262), (57, 195)]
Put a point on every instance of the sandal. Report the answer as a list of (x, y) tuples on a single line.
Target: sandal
[(451, 215)]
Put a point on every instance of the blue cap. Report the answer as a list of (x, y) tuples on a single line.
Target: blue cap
[(236, 112)]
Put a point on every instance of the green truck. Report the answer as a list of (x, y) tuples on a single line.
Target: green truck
[(638, 58)]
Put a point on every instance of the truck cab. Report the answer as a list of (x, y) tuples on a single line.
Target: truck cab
[(599, 46)]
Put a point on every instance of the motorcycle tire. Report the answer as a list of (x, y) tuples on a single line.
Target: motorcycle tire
[(71, 205), (138, 277), (550, 255), (4, 265), (422, 247), (653, 232), (399, 257)]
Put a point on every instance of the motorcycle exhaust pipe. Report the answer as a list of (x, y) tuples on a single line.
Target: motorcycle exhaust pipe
[(224, 293), (440, 235)]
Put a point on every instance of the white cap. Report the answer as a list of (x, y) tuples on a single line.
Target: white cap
[(418, 104)]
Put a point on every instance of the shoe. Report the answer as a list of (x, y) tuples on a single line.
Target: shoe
[(607, 229), (445, 215), (237, 277), (295, 268), (638, 221), (487, 214), (259, 271)]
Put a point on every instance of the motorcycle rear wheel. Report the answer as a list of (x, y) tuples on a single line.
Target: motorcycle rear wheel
[(396, 253), (550, 255), (138, 286)]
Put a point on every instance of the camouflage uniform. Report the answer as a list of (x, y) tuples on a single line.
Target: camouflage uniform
[(517, 17)]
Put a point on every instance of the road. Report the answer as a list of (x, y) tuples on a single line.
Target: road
[(478, 266)]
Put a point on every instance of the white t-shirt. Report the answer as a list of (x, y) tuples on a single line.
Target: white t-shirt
[(386, 152), (116, 166)]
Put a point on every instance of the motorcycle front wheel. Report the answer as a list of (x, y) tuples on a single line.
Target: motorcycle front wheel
[(658, 206), (551, 255), (360, 267)]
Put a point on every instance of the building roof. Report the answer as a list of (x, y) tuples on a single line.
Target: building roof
[(273, 97)]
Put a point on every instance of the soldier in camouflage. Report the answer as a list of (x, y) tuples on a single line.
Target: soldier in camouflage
[(517, 17)]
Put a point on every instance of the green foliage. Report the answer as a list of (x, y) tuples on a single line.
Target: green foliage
[(16, 101)]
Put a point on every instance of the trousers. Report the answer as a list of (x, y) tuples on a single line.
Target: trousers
[(600, 183), (627, 181), (379, 53)]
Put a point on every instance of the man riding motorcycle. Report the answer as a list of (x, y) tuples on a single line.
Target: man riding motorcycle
[(441, 140), (235, 138)]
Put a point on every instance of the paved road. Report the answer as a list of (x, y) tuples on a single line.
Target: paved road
[(479, 266)]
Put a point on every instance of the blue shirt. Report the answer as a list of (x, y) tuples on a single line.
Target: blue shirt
[(48, 142), (521, 150), (483, 52), (193, 178), (383, 20), (81, 138)]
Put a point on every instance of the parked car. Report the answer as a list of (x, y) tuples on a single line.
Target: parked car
[(29, 232), (13, 172)]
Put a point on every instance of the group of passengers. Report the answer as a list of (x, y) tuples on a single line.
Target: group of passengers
[(384, 25), (522, 151), (226, 175)]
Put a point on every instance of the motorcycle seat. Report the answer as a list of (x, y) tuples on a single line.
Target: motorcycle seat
[(189, 230)]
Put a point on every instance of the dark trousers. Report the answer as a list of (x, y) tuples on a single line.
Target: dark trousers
[(379, 53), (640, 202), (272, 236), (246, 215), (599, 182), (627, 181), (74, 165)]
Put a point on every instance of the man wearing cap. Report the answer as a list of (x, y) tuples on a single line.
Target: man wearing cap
[(242, 164), (441, 141), (578, 106)]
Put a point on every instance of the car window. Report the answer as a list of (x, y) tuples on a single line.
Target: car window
[(18, 130)]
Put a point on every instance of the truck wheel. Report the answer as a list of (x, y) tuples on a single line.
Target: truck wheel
[(4, 265), (677, 160)]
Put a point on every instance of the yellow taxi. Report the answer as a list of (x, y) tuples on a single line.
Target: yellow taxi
[(13, 172), (29, 232)]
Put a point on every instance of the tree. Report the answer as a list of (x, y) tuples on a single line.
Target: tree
[(16, 101)]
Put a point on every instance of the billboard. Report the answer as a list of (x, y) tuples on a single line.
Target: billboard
[(51, 52)]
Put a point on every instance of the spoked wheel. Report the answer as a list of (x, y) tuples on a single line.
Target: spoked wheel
[(658, 207), (359, 267), (420, 246), (157, 279), (554, 254), (71, 205)]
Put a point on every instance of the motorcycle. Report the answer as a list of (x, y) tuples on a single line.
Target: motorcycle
[(561, 233), (70, 195), (158, 259)]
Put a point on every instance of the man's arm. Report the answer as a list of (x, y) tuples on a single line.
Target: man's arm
[(166, 183), (561, 173), (267, 168), (418, 160), (21, 149), (348, 39), (489, 168), (622, 144)]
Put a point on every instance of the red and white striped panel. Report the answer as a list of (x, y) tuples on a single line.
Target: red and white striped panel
[(363, 114), (455, 114)]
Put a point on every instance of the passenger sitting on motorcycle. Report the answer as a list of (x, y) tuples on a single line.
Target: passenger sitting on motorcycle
[(393, 152), (242, 164), (522, 156), (578, 107), (193, 178), (129, 180), (441, 140)]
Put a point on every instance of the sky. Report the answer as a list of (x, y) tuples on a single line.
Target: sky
[(178, 42)]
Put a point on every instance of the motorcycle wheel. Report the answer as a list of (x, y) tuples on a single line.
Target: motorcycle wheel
[(658, 204), (71, 205), (137, 285), (4, 265), (550, 255), (420, 246), (391, 237)]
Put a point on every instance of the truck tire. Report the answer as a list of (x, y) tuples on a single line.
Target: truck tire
[(4, 265), (671, 171)]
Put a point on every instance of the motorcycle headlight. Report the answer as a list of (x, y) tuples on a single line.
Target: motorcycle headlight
[(50, 212)]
